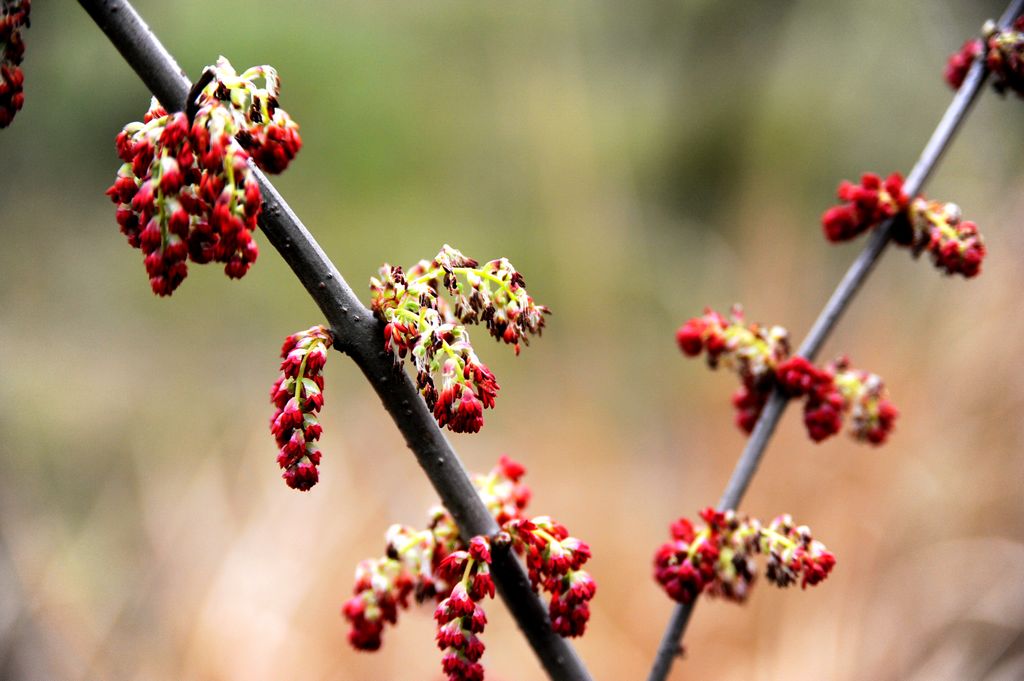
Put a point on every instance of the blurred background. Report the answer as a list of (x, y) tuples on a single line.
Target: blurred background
[(636, 161)]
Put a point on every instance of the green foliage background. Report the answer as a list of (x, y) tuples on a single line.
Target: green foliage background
[(636, 161)]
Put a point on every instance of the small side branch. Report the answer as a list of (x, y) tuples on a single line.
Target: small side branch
[(360, 336), (856, 275)]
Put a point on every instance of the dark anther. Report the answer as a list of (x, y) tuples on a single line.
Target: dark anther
[(254, 111), (244, 139)]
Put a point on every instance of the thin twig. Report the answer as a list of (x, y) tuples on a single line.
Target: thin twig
[(746, 467), (359, 335)]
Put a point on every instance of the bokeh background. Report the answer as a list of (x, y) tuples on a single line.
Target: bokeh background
[(637, 161)]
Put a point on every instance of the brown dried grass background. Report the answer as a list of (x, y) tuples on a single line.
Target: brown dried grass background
[(637, 162)]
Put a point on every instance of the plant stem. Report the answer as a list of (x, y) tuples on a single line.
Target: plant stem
[(359, 335), (856, 275)]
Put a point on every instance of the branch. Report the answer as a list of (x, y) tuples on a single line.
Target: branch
[(359, 335), (746, 467)]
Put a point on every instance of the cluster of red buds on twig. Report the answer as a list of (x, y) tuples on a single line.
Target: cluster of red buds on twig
[(835, 391), (954, 244), (868, 204), (921, 225), (1004, 57), (719, 558), (298, 394), (421, 322), (752, 351), (14, 16), (760, 356), (436, 564), (185, 191)]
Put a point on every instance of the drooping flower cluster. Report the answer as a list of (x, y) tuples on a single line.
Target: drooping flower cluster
[(1004, 56), (459, 617), (760, 356), (437, 564), (14, 16), (720, 558), (421, 322), (298, 394), (185, 191), (383, 585), (921, 225)]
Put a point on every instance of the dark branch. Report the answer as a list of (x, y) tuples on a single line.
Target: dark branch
[(360, 336), (856, 275)]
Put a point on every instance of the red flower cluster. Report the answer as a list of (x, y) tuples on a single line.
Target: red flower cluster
[(459, 617), (14, 15), (554, 559), (954, 244), (837, 391), (436, 563), (867, 204), (921, 225), (1004, 57), (760, 355), (264, 129), (298, 394), (824, 408), (719, 558), (418, 320), (185, 191), (751, 350), (959, 63), (383, 585)]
